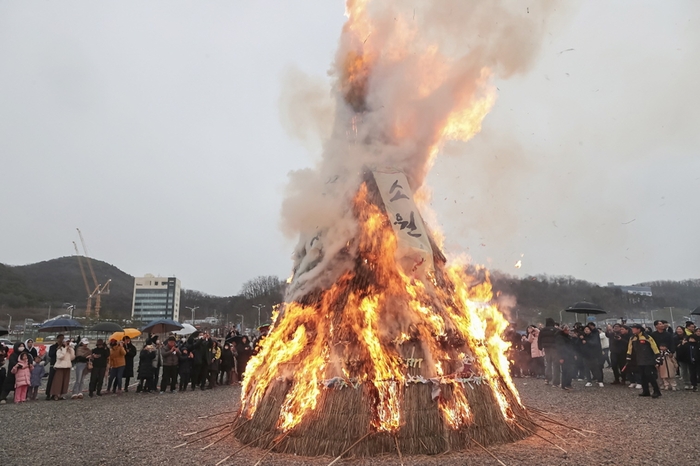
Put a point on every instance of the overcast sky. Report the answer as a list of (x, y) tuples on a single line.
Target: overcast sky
[(155, 128)]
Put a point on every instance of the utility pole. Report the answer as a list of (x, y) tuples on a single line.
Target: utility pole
[(258, 307), (192, 309), (9, 326)]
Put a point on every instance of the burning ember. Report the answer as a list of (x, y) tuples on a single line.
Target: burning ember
[(380, 336)]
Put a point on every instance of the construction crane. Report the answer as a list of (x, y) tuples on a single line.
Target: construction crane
[(99, 289)]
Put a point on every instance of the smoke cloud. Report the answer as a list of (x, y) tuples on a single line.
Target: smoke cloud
[(408, 77)]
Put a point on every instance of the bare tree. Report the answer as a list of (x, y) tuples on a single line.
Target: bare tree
[(262, 286)]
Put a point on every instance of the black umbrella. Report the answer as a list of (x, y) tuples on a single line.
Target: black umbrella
[(3, 331), (60, 325), (587, 308), (161, 326), (696, 311), (107, 327)]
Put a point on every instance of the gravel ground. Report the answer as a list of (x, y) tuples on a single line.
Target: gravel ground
[(138, 429)]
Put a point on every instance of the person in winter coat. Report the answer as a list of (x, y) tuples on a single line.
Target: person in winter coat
[(129, 359), (646, 354), (618, 335), (661, 336), (99, 358), (537, 355), (567, 356), (170, 355), (117, 362), (52, 360), (9, 383), (38, 372), (592, 353), (680, 340), (667, 370), (605, 346), (185, 368), (214, 359), (23, 377), (200, 366), (226, 367), (546, 341), (693, 358), (64, 361), (82, 355), (157, 362), (244, 352), (146, 369)]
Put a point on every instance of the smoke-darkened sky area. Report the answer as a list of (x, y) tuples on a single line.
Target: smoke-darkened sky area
[(166, 131)]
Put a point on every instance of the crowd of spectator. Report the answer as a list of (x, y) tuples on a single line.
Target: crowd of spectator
[(640, 357), (178, 363)]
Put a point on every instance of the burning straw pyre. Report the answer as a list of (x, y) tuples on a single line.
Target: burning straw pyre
[(380, 339)]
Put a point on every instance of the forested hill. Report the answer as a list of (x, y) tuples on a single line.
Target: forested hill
[(59, 281), (550, 294)]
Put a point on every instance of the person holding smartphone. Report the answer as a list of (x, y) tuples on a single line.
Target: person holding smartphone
[(64, 362)]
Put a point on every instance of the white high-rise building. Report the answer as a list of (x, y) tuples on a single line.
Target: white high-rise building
[(155, 298)]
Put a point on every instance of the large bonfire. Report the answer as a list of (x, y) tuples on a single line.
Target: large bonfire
[(381, 344)]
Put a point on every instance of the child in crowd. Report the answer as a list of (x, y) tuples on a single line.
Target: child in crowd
[(23, 374), (38, 372), (668, 368)]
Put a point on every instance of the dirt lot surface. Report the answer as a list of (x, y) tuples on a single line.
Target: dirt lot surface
[(140, 429)]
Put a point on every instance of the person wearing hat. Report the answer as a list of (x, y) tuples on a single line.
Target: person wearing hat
[(646, 355), (171, 358), (82, 354)]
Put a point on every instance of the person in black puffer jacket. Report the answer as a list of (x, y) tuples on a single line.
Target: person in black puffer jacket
[(566, 352), (693, 358), (591, 352), (547, 342), (146, 369)]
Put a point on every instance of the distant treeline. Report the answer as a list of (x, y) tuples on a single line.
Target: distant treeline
[(58, 281)]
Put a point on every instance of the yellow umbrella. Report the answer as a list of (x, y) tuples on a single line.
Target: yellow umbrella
[(131, 332), (128, 332)]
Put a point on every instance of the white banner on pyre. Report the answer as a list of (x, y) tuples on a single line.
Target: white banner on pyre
[(414, 251)]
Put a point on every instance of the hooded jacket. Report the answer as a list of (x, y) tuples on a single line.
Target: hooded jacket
[(23, 373), (644, 350), (33, 351), (37, 374)]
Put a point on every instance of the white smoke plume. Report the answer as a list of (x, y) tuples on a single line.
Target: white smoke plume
[(408, 76)]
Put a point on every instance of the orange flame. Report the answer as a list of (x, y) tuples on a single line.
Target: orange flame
[(358, 330)]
